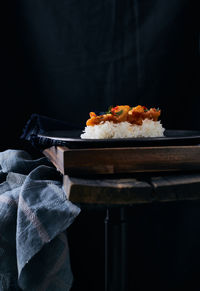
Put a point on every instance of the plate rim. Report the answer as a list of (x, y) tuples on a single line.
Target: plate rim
[(113, 140)]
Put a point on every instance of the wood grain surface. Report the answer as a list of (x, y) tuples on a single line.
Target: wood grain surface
[(131, 191), (107, 191), (124, 160), (176, 187), (119, 189)]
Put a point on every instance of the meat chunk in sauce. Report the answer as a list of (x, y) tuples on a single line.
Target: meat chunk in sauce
[(133, 115)]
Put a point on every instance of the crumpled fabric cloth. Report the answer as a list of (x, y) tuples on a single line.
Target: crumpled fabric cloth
[(39, 124), (34, 214)]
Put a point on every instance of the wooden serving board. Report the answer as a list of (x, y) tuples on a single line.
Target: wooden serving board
[(124, 160)]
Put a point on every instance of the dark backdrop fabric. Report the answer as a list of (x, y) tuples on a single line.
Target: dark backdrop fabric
[(65, 58), (68, 57)]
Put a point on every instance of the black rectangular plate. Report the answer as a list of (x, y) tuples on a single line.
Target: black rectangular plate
[(72, 139)]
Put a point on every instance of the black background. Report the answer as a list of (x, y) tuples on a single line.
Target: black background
[(65, 58)]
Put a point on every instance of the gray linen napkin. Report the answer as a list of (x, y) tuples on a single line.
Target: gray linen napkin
[(34, 214)]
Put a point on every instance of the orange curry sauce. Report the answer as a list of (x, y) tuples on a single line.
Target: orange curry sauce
[(133, 115)]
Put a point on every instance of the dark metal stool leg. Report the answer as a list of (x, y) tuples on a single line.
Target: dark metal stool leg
[(115, 250)]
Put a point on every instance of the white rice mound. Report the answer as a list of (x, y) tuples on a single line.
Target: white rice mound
[(108, 129)]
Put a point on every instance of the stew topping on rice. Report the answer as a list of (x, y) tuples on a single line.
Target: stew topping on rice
[(117, 114)]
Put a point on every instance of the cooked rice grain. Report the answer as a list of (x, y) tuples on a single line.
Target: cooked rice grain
[(108, 129)]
